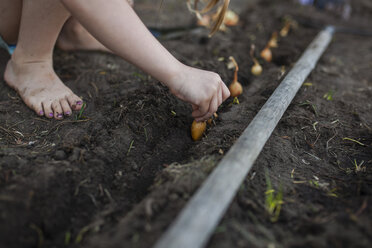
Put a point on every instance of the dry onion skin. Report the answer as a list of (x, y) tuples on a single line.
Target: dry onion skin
[(211, 120), (235, 87), (219, 16), (197, 129)]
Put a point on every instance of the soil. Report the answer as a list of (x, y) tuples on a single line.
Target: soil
[(119, 172)]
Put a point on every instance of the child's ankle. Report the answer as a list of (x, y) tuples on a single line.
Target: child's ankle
[(19, 57)]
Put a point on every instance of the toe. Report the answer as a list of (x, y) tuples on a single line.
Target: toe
[(75, 102), (57, 109), (38, 109), (48, 112), (66, 107), (35, 105)]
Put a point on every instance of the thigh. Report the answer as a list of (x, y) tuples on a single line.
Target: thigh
[(10, 16)]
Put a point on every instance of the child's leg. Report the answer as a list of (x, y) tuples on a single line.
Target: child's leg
[(74, 36), (10, 16), (30, 70)]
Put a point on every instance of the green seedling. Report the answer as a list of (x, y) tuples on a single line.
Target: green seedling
[(130, 147), (356, 167), (81, 234), (80, 114), (312, 105), (273, 201), (67, 238), (314, 183), (332, 193), (360, 167), (145, 131), (139, 75), (328, 95), (236, 101), (308, 84)]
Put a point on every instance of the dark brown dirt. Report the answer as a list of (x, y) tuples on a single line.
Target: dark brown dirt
[(119, 174)]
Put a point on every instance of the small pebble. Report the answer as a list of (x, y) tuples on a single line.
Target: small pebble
[(60, 155)]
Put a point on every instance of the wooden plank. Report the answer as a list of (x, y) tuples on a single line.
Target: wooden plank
[(197, 221)]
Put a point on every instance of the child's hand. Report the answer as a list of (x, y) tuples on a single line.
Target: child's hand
[(203, 89)]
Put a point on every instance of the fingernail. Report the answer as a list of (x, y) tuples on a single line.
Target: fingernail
[(59, 115), (51, 114), (68, 113), (41, 112), (79, 102)]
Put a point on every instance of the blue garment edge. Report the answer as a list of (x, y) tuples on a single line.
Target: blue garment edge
[(8, 48)]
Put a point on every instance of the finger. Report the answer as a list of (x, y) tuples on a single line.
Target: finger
[(225, 92), (194, 107), (219, 94), (201, 110), (212, 109)]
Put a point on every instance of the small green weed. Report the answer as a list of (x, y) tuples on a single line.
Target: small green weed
[(329, 95), (236, 100), (273, 201), (359, 167), (139, 75), (356, 167), (79, 116), (312, 105)]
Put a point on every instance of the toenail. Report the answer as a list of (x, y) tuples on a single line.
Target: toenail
[(59, 115), (41, 112), (79, 102), (68, 113), (51, 114)]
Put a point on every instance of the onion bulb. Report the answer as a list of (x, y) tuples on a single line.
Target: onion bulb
[(231, 18), (285, 29), (256, 68), (266, 54), (197, 129), (235, 87), (273, 42), (204, 21)]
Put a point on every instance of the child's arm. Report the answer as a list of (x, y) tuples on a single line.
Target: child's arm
[(116, 25)]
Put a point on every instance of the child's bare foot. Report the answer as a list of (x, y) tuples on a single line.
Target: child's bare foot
[(41, 89)]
